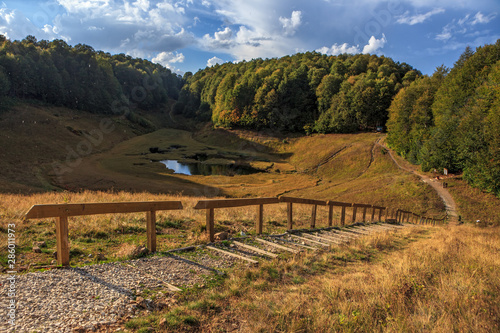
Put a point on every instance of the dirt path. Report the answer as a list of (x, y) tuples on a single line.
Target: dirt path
[(451, 207)]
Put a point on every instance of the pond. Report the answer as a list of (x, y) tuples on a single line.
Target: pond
[(205, 169)]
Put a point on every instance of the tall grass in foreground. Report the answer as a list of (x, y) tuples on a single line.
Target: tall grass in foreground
[(447, 280)]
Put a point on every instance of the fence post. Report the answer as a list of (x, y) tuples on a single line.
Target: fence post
[(151, 230), (354, 209), (62, 240), (313, 216), (342, 216), (289, 208), (364, 214), (373, 214), (210, 224), (380, 215), (260, 218), (330, 215)]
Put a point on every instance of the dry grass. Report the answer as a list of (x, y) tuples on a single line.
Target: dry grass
[(447, 280), (106, 233)]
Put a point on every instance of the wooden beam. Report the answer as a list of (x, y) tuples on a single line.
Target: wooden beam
[(313, 216), (373, 215), (151, 230), (354, 211), (309, 240), (227, 203), (289, 214), (330, 215), (299, 245), (232, 254), (263, 241), (260, 219), (256, 249), (303, 201), (56, 210), (210, 224), (62, 241), (338, 203), (364, 214), (321, 238), (342, 216)]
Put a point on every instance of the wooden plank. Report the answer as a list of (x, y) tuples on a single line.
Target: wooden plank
[(281, 247), (151, 230), (227, 203), (313, 216), (321, 238), (342, 216), (56, 210), (338, 203), (303, 201), (232, 254), (260, 219), (309, 240), (289, 214), (256, 249), (62, 241), (357, 231), (346, 234), (210, 224), (299, 245), (335, 238), (330, 216), (361, 205), (337, 235)]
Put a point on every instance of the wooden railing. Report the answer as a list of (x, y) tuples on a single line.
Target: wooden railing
[(63, 211), (210, 205)]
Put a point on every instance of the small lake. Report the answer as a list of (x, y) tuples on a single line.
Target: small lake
[(206, 169)]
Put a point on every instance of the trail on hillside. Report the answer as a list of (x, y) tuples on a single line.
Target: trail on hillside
[(451, 207)]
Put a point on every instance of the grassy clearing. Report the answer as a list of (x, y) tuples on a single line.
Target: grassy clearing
[(473, 203), (421, 279)]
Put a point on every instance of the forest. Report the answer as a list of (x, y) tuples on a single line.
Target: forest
[(306, 92), (450, 119), (81, 78)]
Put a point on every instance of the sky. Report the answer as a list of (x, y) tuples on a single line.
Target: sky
[(188, 35)]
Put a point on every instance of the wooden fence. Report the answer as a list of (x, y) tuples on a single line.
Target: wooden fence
[(62, 211)]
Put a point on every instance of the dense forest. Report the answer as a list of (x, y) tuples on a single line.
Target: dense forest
[(452, 119), (81, 78), (308, 92)]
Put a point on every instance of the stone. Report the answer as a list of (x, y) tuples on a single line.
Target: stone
[(163, 323), (221, 235), (40, 244), (132, 251), (141, 302), (36, 249), (101, 256)]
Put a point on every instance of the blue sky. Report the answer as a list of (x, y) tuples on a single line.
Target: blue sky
[(186, 35)]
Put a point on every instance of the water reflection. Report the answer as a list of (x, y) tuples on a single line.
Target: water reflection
[(206, 169)]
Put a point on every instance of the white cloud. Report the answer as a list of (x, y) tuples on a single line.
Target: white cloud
[(166, 59), (339, 49), (291, 24), (419, 18), (373, 46), (14, 25), (222, 39), (480, 18), (214, 61)]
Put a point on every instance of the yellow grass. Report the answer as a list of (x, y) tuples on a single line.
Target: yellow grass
[(447, 280)]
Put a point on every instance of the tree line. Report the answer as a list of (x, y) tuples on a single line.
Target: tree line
[(81, 78), (451, 119), (307, 92)]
